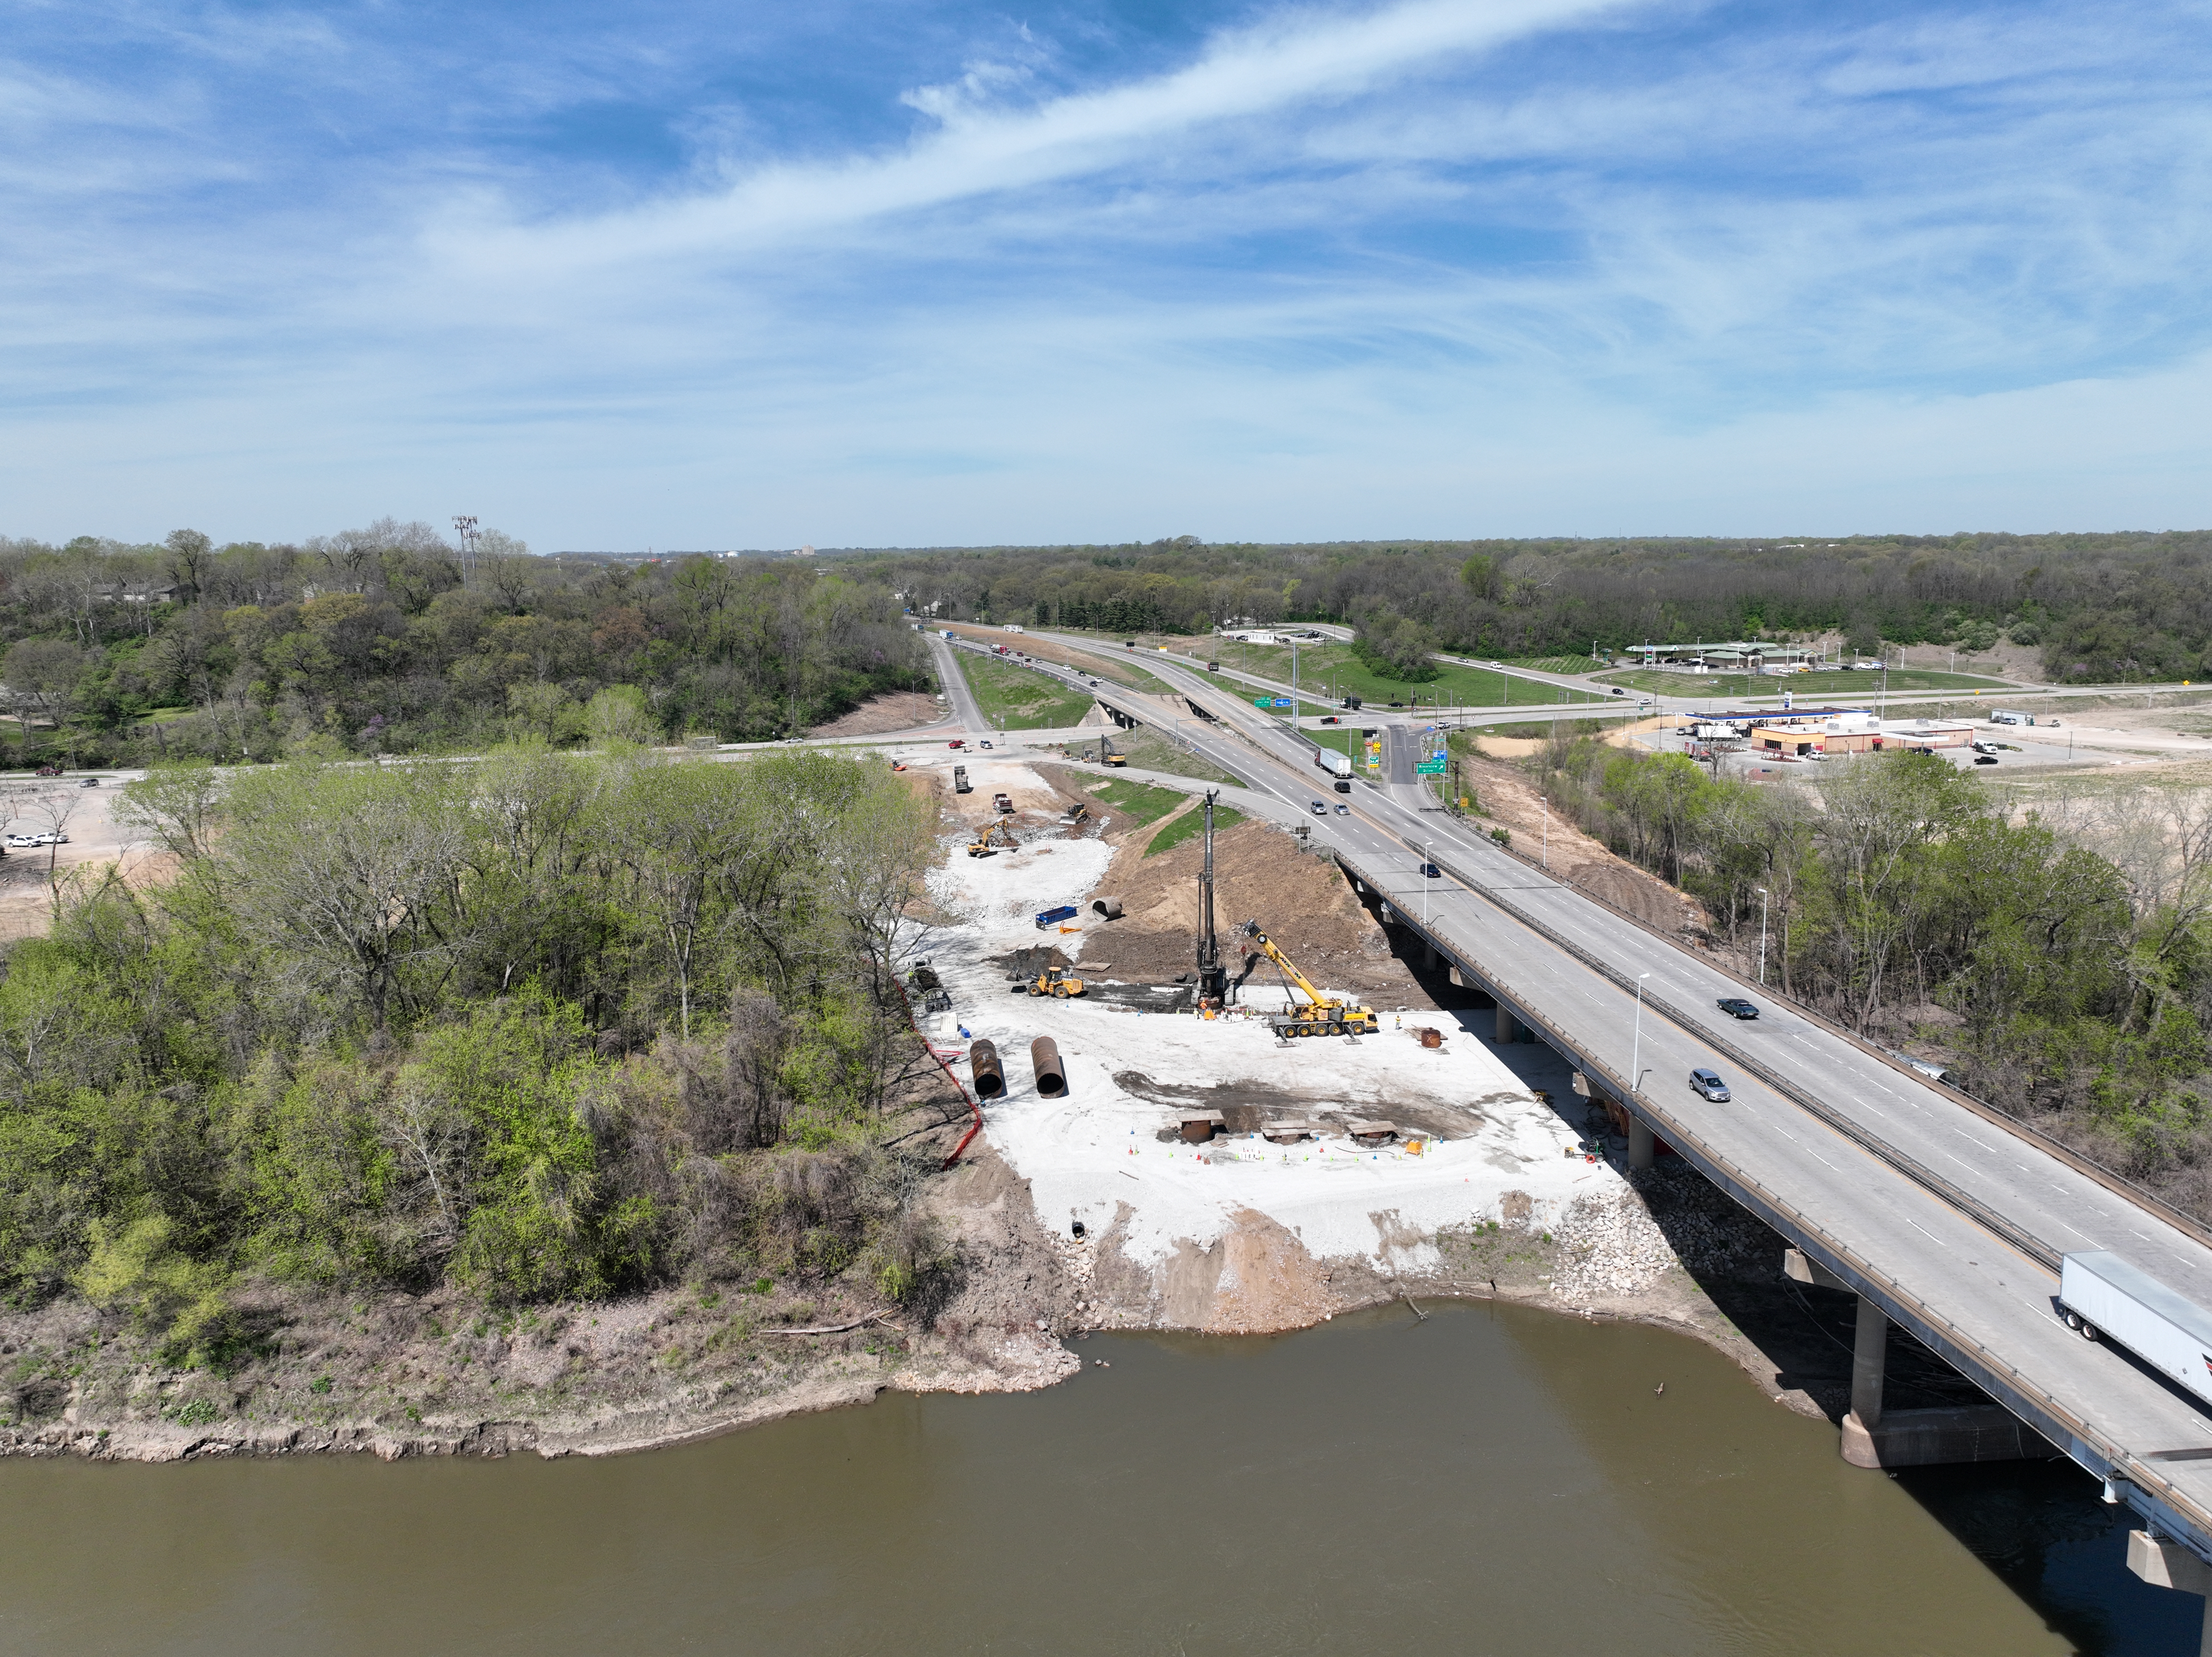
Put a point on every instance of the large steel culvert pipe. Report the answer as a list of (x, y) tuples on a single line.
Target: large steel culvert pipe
[(990, 1075), (1051, 1074), (1109, 907)]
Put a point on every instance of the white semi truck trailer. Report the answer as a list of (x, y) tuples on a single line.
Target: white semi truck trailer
[(2099, 1294)]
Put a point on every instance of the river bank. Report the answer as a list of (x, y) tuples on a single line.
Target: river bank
[(1086, 1211)]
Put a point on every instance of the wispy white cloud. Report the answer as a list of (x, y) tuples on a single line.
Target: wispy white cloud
[(1437, 266), (980, 146)]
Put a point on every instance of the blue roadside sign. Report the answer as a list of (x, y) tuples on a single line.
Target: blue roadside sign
[(1282, 701)]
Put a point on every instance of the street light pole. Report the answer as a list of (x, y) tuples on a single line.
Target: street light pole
[(1762, 935), (1428, 862), (1547, 798), (1636, 1046)]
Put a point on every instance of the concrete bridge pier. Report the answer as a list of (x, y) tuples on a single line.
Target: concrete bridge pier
[(1505, 1023), (1642, 1142), (1874, 1437), (2166, 1564), (1869, 1364)]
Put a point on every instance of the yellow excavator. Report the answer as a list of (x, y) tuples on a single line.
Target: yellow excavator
[(981, 846), (1326, 1015)]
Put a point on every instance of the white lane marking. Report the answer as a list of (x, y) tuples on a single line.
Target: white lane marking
[(1921, 1228)]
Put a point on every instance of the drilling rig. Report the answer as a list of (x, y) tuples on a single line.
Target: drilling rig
[(1212, 976)]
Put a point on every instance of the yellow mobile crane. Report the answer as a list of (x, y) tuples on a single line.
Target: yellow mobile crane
[(1327, 1016), (981, 846)]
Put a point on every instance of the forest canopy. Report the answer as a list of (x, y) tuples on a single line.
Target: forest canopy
[(545, 1024)]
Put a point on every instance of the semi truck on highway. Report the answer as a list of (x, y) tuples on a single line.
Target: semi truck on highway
[(1337, 765), (2100, 1294)]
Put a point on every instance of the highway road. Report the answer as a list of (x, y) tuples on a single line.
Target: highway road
[(1950, 1220), (965, 709)]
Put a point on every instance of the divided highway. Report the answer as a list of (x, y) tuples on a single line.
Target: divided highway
[(1951, 1222)]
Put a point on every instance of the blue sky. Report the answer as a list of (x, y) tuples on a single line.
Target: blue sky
[(856, 273)]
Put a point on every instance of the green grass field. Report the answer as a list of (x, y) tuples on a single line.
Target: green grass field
[(1015, 698), (1552, 664), (1190, 825), (1141, 800), (1328, 673), (1817, 687), (1117, 665)]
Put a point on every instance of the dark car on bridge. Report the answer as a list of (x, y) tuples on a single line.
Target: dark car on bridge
[(1736, 1007), (1709, 1082)]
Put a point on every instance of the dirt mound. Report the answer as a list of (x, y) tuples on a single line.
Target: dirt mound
[(1260, 874), (896, 710), (1509, 798)]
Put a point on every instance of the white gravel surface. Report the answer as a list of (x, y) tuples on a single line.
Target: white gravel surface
[(1087, 1154)]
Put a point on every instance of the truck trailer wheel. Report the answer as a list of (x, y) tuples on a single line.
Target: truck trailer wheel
[(2088, 1330), (2073, 1318)]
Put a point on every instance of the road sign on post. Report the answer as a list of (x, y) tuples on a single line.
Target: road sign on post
[(1432, 767)]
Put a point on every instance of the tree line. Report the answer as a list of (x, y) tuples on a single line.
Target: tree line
[(380, 640), (2103, 608), (546, 1024)]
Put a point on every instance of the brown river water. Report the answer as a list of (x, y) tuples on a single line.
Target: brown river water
[(1494, 1480)]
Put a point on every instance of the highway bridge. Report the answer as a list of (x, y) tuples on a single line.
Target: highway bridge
[(1941, 1214)]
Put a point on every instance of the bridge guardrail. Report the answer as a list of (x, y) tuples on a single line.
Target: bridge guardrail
[(2027, 1242), (2118, 1184), (2066, 1430)]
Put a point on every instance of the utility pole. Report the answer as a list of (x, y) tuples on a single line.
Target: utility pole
[(1635, 1046), (1547, 798), (465, 525)]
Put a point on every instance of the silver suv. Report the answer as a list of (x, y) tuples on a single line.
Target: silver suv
[(1709, 1082)]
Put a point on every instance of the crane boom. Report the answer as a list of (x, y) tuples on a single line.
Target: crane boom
[(1328, 1015)]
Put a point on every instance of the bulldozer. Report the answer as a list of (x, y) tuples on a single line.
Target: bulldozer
[(1325, 1015), (981, 846)]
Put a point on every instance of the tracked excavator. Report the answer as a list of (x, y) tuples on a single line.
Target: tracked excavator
[(1326, 1015), (981, 845)]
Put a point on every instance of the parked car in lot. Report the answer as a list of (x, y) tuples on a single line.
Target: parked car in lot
[(1709, 1082), (1736, 1007), (21, 842)]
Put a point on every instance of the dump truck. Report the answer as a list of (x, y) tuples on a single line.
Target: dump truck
[(1324, 1015), (1003, 804), (960, 784), (2099, 1294)]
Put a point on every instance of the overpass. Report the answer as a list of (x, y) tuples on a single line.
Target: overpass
[(1938, 1212)]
